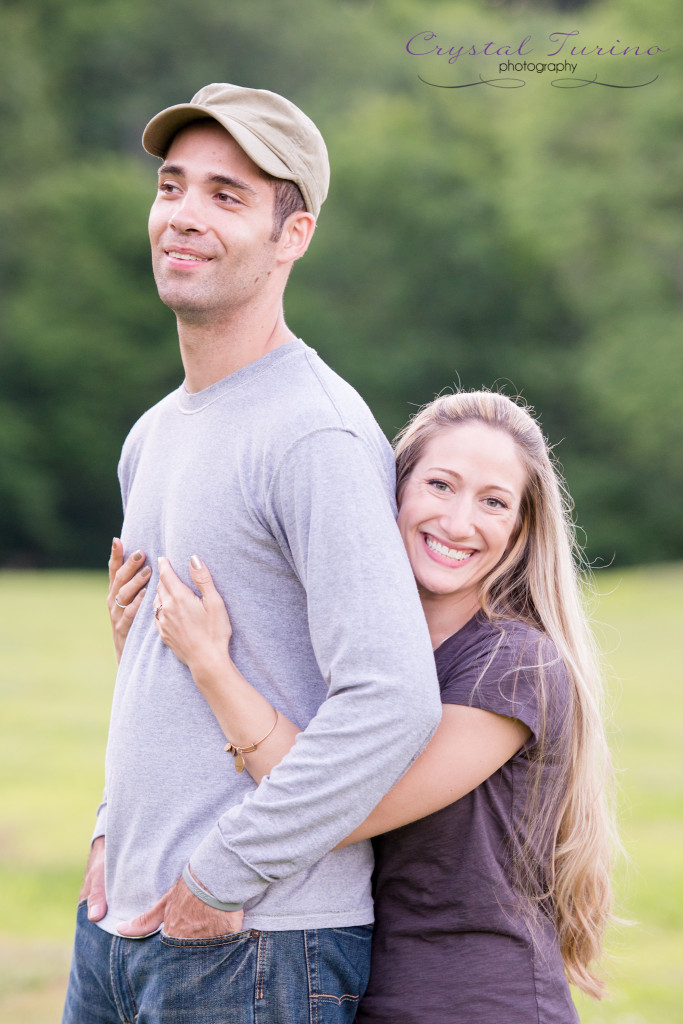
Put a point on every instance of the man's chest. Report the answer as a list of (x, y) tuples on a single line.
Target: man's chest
[(188, 494)]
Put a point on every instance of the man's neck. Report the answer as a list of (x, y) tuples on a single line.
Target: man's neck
[(213, 351)]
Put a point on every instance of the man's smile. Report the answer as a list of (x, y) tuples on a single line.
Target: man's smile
[(178, 254)]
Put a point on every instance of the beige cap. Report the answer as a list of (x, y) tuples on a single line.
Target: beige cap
[(278, 137)]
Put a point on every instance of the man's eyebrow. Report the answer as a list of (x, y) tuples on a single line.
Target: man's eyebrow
[(230, 182), (171, 169), (215, 179)]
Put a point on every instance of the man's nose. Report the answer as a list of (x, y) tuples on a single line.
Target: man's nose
[(187, 215)]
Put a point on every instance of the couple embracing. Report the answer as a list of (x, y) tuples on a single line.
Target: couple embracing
[(301, 671)]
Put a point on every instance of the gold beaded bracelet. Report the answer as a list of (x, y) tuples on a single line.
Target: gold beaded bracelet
[(237, 752)]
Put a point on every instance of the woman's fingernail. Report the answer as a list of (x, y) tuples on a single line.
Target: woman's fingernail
[(196, 562), (147, 571), (137, 555)]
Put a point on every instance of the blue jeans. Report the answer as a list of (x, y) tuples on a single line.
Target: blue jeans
[(252, 977)]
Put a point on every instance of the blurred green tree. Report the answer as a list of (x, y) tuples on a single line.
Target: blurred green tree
[(527, 237)]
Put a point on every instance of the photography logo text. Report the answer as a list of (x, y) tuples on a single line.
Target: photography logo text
[(568, 46)]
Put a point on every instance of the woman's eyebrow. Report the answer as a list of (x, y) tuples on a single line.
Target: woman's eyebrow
[(453, 473)]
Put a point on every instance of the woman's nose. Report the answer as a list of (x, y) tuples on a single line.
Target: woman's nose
[(457, 520)]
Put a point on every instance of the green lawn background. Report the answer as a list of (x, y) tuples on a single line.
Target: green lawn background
[(56, 677)]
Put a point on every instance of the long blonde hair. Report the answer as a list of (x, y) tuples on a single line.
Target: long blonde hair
[(539, 581)]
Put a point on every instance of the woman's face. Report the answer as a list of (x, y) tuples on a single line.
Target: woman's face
[(459, 510)]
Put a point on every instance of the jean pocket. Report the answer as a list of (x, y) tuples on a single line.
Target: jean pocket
[(339, 968), (192, 980), (206, 942)]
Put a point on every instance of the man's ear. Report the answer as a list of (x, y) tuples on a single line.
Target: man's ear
[(297, 232)]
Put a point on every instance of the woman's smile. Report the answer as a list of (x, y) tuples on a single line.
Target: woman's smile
[(441, 552)]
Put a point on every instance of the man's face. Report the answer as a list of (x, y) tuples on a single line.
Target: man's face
[(210, 228)]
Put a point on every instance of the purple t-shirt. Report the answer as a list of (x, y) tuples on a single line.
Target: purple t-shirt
[(454, 943)]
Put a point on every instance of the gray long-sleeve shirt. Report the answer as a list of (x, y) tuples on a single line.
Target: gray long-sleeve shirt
[(279, 478)]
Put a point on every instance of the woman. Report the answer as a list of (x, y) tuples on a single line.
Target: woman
[(492, 887)]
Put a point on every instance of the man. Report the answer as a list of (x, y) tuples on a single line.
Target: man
[(271, 468)]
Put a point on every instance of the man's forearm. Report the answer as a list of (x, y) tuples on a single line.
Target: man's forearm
[(337, 771)]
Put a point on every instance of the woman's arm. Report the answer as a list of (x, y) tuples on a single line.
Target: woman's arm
[(198, 631), (468, 746)]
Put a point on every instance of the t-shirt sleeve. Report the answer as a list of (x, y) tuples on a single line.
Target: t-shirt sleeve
[(332, 516), (503, 673)]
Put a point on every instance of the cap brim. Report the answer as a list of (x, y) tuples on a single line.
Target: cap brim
[(161, 130)]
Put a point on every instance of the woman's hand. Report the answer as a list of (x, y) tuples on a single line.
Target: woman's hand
[(127, 587), (196, 629)]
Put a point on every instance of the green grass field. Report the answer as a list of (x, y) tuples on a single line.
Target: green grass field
[(56, 676)]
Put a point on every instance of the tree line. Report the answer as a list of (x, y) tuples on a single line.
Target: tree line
[(527, 239)]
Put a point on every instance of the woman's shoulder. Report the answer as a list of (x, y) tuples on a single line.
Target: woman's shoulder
[(500, 641), (507, 666)]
